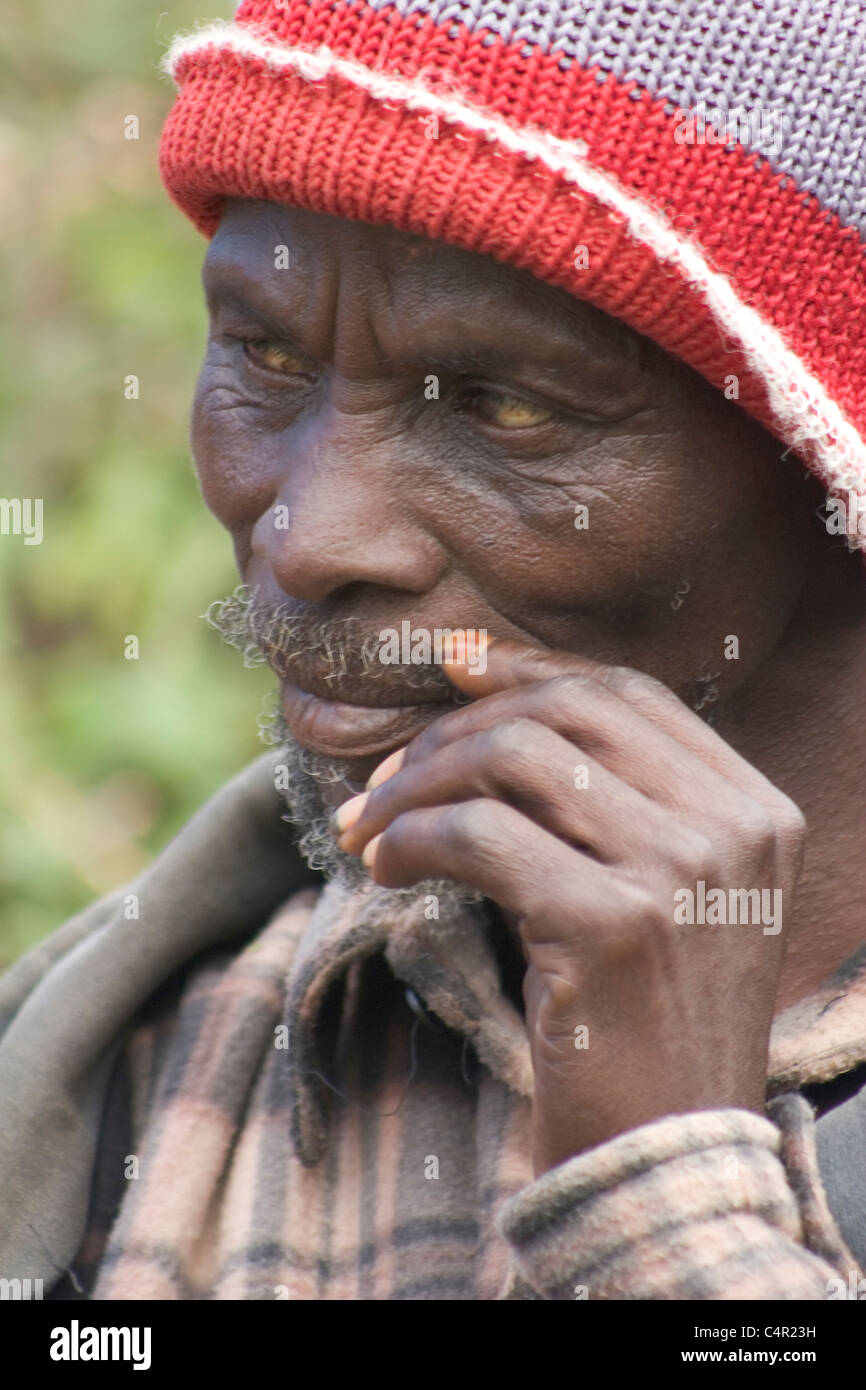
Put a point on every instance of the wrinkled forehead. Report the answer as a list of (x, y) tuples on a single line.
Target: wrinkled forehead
[(278, 259)]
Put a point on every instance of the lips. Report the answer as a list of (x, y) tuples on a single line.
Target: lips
[(342, 730)]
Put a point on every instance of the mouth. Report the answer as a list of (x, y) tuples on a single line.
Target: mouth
[(343, 729)]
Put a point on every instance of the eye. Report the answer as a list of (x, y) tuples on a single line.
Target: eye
[(505, 410), (273, 356)]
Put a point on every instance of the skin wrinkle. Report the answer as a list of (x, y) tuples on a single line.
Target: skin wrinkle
[(413, 511)]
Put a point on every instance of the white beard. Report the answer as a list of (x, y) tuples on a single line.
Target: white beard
[(283, 638), (305, 775)]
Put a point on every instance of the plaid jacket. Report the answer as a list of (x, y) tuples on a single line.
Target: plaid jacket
[(257, 1088)]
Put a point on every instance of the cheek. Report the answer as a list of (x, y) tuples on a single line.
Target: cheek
[(746, 572), (236, 466), (711, 548), (653, 556), (604, 530)]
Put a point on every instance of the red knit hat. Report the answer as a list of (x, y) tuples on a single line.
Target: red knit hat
[(666, 162)]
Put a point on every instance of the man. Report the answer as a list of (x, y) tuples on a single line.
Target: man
[(516, 400)]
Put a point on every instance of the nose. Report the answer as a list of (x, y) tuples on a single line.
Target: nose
[(344, 515)]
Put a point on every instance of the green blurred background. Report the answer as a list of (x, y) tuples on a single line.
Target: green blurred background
[(102, 759)]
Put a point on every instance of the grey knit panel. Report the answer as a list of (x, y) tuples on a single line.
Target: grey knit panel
[(787, 78)]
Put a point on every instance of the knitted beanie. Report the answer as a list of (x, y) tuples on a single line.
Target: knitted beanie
[(696, 168)]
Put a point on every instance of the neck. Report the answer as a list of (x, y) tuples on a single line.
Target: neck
[(799, 720)]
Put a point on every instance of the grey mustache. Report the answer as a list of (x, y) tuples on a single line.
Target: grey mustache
[(311, 651)]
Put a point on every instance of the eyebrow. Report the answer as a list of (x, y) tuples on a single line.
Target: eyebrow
[(250, 298), (220, 294)]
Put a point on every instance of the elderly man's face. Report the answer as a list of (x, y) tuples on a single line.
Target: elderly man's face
[(394, 429)]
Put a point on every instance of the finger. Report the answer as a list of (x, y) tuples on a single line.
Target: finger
[(493, 848), (686, 774), (496, 667), (480, 665), (531, 768)]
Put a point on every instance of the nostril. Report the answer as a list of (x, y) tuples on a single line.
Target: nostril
[(347, 597)]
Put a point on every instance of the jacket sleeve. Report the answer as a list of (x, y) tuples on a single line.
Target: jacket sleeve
[(716, 1204), (67, 1006)]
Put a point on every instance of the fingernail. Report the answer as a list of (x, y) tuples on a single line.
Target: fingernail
[(346, 815), (386, 769), (370, 851)]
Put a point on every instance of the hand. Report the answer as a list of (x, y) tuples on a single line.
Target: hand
[(587, 865)]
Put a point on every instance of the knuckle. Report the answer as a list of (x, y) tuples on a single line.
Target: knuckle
[(756, 824), (567, 688), (624, 680), (630, 684), (620, 679), (511, 740), (463, 824), (637, 923), (397, 838), (476, 829), (791, 821), (791, 832), (640, 908), (692, 852)]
